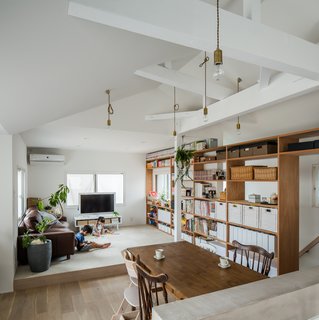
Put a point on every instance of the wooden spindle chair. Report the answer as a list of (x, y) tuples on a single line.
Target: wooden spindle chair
[(148, 287), (257, 258)]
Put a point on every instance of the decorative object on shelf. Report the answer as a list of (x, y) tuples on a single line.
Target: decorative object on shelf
[(205, 109), (238, 123), (39, 248), (183, 160), (274, 198), (255, 198), (222, 195), (176, 108), (218, 53), (110, 110)]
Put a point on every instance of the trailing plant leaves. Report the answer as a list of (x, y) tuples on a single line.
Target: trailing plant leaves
[(183, 160)]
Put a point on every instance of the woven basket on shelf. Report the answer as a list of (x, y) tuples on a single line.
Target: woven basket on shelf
[(265, 173), (222, 196), (242, 173)]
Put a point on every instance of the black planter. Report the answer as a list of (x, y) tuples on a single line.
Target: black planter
[(39, 256)]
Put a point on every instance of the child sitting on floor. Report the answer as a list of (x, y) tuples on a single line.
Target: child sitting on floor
[(83, 245), (100, 227)]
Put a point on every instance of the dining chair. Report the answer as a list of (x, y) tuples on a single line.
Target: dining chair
[(129, 264), (148, 287), (253, 257)]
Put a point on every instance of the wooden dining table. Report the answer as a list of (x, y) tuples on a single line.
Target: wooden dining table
[(193, 271)]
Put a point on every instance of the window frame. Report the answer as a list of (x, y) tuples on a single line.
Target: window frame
[(94, 174), (24, 193)]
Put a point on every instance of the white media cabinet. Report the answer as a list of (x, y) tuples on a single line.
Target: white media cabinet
[(110, 220)]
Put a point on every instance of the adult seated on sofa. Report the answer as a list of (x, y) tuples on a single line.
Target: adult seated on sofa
[(59, 233)]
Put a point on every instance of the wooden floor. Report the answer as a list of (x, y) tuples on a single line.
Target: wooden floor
[(89, 299)]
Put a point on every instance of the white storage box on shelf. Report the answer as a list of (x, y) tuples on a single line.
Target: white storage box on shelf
[(187, 237), (164, 216), (251, 216), (235, 213), (268, 219), (220, 210), (164, 228)]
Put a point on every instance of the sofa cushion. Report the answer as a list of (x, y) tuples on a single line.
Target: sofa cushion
[(31, 219)]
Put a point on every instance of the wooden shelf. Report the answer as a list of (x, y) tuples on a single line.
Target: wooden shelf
[(158, 167), (252, 204), (208, 181), (187, 231), (307, 152), (162, 222), (209, 162), (252, 228), (259, 157), (187, 198), (204, 199), (184, 212), (208, 237), (208, 218), (252, 180), (210, 150)]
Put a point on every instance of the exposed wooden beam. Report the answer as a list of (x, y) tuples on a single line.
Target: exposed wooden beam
[(192, 23), (184, 81), (282, 87), (169, 116)]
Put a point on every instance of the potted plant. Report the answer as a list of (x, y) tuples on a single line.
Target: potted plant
[(57, 198), (39, 248), (183, 160)]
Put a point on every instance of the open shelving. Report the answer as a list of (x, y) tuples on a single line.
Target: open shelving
[(287, 186)]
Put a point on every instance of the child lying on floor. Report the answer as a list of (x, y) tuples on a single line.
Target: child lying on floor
[(83, 245)]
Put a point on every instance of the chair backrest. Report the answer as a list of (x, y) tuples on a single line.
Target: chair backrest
[(253, 257), (129, 263), (147, 288)]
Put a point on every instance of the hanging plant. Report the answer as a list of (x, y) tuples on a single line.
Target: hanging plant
[(183, 160)]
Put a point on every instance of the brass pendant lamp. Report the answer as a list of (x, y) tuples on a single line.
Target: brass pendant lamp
[(238, 123), (176, 108), (110, 110), (205, 109), (218, 53)]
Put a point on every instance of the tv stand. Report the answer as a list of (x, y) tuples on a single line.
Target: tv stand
[(110, 220)]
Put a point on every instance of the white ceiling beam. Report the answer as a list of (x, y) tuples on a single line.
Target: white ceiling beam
[(192, 23), (183, 81), (264, 77), (252, 10), (169, 116), (282, 87)]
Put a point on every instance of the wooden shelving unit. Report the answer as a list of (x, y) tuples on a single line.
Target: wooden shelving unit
[(287, 183)]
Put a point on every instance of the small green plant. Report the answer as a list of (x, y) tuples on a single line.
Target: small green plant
[(41, 227), (116, 214), (183, 160)]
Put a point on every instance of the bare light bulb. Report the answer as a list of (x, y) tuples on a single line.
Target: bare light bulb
[(219, 71), (238, 128)]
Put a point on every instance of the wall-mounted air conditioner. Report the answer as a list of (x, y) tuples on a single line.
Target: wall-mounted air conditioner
[(46, 158)]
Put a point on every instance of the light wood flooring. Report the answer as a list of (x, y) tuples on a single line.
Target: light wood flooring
[(90, 299)]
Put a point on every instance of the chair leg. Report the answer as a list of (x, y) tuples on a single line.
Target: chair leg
[(68, 257), (123, 306)]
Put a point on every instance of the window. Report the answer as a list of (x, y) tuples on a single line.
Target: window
[(78, 183), (21, 192), (89, 182), (162, 183), (315, 188), (107, 182)]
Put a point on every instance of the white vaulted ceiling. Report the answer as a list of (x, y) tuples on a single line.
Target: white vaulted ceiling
[(56, 66)]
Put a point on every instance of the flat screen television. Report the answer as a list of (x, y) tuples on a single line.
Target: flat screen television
[(97, 203)]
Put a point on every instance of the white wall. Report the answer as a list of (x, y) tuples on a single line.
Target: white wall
[(19, 161), (45, 178), (8, 227)]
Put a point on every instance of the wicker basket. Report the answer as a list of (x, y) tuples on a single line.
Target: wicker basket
[(242, 173), (265, 173)]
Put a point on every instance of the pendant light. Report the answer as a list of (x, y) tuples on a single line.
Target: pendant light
[(110, 110), (205, 109), (218, 53), (238, 123), (176, 108)]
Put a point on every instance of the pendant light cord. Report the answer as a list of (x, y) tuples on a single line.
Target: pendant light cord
[(217, 24)]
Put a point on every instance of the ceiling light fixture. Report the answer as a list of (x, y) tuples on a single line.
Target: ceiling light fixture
[(110, 110), (205, 109), (176, 108), (218, 53), (238, 123)]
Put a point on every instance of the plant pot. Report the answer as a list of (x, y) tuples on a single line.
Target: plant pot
[(39, 256)]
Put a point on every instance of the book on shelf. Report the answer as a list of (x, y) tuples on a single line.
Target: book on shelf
[(187, 205)]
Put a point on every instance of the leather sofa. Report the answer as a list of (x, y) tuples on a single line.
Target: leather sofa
[(63, 239)]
